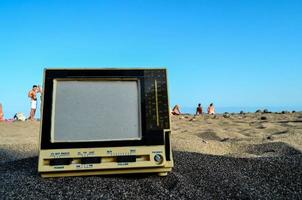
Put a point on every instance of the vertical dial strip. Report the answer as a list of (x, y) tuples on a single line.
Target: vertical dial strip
[(156, 96)]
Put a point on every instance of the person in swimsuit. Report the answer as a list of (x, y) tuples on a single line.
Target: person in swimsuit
[(199, 110), (1, 113), (211, 109), (176, 110), (32, 94)]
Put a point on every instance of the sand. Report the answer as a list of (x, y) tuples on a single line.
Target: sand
[(239, 135), (251, 156)]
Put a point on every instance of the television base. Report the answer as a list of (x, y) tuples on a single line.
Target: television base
[(160, 172)]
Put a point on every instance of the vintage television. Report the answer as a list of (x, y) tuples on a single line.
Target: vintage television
[(105, 121)]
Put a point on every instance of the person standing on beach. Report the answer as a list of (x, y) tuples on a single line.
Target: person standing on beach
[(211, 109), (1, 113), (199, 110), (32, 94)]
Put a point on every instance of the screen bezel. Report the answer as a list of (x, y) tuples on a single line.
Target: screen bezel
[(149, 136)]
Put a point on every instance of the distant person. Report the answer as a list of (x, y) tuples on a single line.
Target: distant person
[(199, 110), (19, 117), (211, 109), (1, 113), (176, 110), (32, 94)]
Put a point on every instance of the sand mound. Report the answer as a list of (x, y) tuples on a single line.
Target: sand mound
[(272, 149), (14, 152), (209, 135)]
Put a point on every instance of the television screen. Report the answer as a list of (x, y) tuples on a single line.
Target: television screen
[(95, 110)]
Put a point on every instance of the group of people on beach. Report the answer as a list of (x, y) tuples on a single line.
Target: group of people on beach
[(199, 110), (32, 95)]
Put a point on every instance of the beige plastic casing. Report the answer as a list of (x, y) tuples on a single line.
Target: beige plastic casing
[(145, 162)]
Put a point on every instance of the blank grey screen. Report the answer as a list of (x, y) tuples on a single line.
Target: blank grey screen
[(95, 111)]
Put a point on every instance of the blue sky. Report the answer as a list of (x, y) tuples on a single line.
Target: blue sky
[(232, 53)]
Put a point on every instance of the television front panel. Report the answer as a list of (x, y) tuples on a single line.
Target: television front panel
[(105, 121)]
